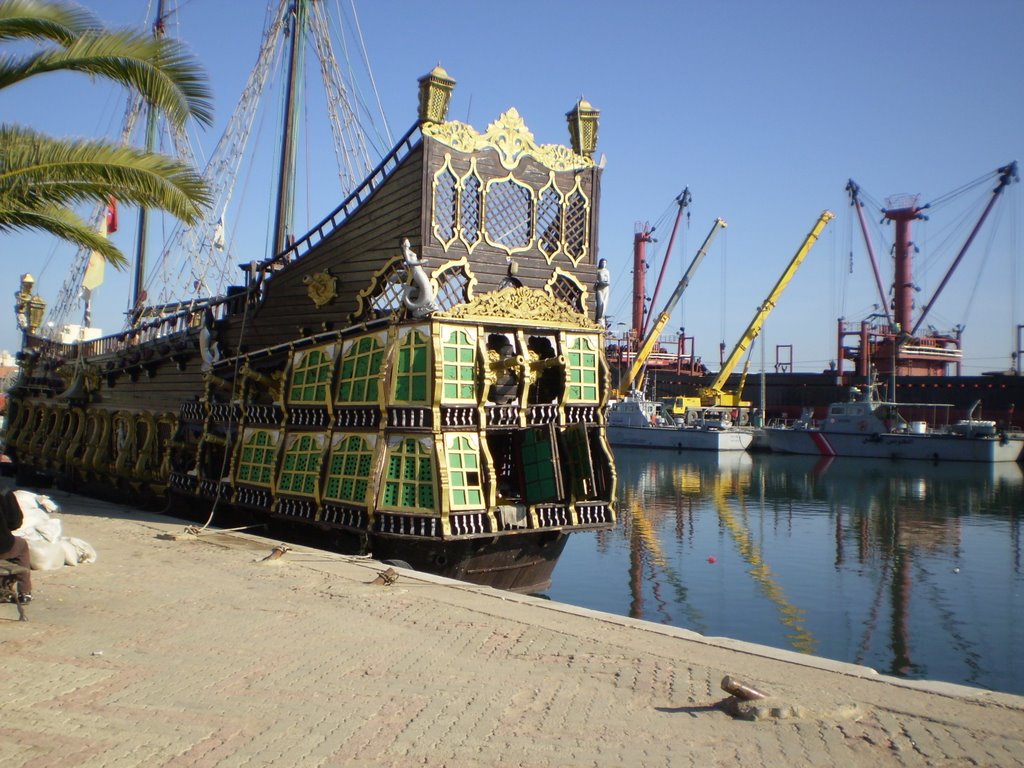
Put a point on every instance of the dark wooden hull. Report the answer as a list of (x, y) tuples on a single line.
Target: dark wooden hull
[(439, 401)]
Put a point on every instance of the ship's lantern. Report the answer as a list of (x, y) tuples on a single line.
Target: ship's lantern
[(435, 94), (583, 127), (36, 309)]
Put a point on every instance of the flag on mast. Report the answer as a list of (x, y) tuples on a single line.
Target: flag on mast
[(218, 234), (95, 269)]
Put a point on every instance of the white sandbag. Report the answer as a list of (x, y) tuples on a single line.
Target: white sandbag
[(47, 504), (77, 551), (32, 513), (45, 555)]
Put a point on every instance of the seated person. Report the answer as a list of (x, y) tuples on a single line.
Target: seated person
[(14, 548)]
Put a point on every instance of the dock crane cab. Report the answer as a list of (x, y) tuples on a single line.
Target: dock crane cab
[(713, 401), (634, 379)]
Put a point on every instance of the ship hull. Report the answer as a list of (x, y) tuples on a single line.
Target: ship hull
[(407, 380), (680, 438), (893, 446)]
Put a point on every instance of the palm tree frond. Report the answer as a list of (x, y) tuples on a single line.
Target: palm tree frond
[(161, 69), (36, 20), (36, 169), (67, 225)]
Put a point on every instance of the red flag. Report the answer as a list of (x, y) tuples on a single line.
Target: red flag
[(112, 216)]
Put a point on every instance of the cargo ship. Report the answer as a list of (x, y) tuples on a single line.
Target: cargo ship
[(913, 363)]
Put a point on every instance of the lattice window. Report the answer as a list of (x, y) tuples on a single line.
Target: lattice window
[(411, 362), (549, 221), (453, 287), (470, 203), (300, 470), (458, 349), (464, 489), (359, 381), (259, 455), (576, 219), (409, 477), (445, 200), (389, 288), (581, 370), (565, 288), (311, 376), (508, 214), (348, 471)]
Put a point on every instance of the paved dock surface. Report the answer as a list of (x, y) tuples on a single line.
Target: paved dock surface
[(173, 650)]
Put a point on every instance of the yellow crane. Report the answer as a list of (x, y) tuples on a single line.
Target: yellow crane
[(634, 379), (714, 395)]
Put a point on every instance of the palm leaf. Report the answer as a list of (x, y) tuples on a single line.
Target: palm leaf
[(34, 20), (65, 224), (37, 170), (161, 69)]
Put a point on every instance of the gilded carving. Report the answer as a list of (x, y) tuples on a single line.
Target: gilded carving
[(559, 275), (322, 287), (522, 304), (390, 274), (509, 136)]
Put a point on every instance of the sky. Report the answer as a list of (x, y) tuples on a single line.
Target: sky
[(763, 110)]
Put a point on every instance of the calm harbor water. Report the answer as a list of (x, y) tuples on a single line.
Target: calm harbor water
[(909, 568)]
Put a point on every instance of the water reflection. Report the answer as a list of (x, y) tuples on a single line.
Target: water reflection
[(910, 568)]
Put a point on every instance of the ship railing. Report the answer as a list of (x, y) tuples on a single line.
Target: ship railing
[(923, 351), (188, 317), (349, 205)]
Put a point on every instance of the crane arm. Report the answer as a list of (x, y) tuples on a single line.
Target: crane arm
[(644, 352), (715, 390)]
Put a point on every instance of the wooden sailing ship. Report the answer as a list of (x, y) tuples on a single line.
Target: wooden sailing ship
[(423, 372)]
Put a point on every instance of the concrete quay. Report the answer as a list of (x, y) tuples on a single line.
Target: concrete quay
[(174, 650)]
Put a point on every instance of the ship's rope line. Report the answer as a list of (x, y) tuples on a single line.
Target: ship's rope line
[(221, 172), (350, 140), (381, 143), (71, 289), (239, 382), (986, 253), (366, 63), (963, 189)]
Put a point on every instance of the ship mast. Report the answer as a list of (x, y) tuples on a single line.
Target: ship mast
[(283, 224), (140, 240)]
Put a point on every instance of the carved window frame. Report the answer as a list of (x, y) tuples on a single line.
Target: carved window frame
[(384, 280), (257, 457), (445, 204), (464, 228), (582, 369), (301, 463), (312, 369), (349, 469), (559, 245), (462, 455), (409, 482), (440, 277), (412, 365), (362, 362), (530, 224), (458, 364), (560, 277), (577, 215)]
